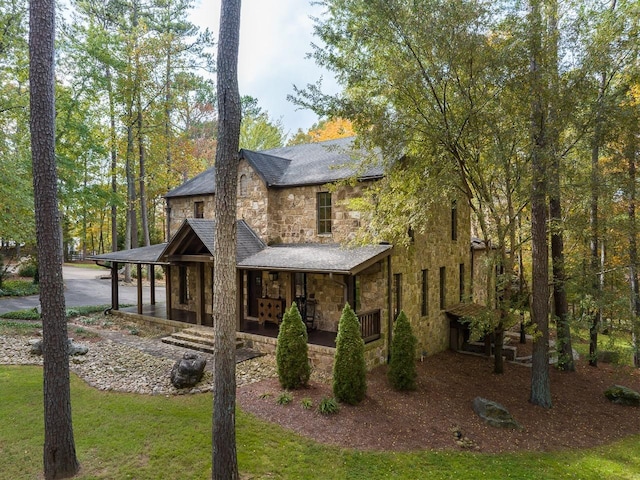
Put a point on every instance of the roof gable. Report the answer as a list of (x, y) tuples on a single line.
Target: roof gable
[(196, 236)]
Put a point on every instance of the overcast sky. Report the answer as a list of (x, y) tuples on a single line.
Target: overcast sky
[(275, 36)]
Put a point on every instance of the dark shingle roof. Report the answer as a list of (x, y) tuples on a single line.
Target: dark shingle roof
[(309, 164), (202, 184), (315, 257), (144, 255)]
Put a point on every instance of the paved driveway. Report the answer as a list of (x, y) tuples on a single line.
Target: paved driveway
[(84, 286)]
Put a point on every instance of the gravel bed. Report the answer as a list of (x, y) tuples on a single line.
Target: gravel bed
[(122, 363)]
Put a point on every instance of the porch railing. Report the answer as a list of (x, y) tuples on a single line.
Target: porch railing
[(370, 325)]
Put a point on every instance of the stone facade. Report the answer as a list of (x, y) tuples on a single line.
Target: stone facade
[(429, 275)]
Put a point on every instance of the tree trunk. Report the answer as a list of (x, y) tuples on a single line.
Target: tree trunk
[(60, 459), (633, 247), (114, 161), (561, 308), (225, 463), (540, 382)]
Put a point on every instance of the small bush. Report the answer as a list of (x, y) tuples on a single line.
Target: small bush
[(328, 406), (307, 403), (402, 367), (28, 269), (285, 398), (349, 367), (292, 359)]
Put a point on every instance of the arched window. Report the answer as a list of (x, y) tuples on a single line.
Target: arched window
[(244, 184)]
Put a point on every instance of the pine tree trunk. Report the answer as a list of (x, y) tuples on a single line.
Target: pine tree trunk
[(540, 382), (60, 459), (225, 463), (633, 248)]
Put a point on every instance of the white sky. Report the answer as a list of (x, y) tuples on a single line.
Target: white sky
[(275, 36)]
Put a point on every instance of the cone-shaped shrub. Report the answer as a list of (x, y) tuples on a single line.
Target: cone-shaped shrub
[(349, 368), (402, 367), (292, 359)]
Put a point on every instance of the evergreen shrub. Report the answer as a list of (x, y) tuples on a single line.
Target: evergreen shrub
[(349, 368), (402, 367), (292, 360)]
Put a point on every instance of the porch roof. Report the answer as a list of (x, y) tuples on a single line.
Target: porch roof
[(145, 255), (315, 257)]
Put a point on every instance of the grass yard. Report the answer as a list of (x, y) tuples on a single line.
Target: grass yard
[(121, 436)]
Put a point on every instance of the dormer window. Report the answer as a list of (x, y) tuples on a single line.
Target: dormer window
[(198, 209), (324, 213)]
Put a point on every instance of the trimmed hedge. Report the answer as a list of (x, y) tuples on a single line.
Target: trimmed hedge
[(292, 360), (349, 367), (402, 366)]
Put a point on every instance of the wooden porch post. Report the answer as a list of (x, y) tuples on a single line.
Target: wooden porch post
[(114, 286), (167, 287), (240, 297), (139, 285), (200, 307), (152, 282)]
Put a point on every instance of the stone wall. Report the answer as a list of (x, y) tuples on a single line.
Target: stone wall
[(253, 199), (432, 249), (184, 207), (293, 215)]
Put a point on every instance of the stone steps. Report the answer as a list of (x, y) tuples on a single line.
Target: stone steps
[(195, 338)]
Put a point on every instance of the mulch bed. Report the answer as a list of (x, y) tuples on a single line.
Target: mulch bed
[(439, 415)]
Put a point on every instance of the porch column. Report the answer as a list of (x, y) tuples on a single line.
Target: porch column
[(114, 286), (152, 282), (240, 299), (167, 288), (200, 307), (139, 285)]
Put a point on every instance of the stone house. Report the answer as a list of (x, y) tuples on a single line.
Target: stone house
[(292, 234)]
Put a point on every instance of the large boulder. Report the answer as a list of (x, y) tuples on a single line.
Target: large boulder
[(623, 395), (494, 414), (72, 347), (188, 371)]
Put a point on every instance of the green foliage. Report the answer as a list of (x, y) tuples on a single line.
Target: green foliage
[(349, 368), (28, 268), (285, 398), (292, 359), (18, 288), (30, 314), (402, 367), (328, 406), (306, 403)]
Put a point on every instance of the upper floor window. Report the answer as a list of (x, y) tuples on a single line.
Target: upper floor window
[(424, 309), (324, 213), (243, 184), (462, 292), (443, 288), (454, 220), (198, 209), (397, 294)]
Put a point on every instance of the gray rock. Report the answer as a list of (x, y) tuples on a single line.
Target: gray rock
[(188, 371), (623, 395), (72, 347), (494, 414)]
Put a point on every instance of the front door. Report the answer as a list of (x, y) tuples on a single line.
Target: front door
[(254, 291)]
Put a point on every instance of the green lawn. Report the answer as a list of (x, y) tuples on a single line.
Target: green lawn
[(121, 436)]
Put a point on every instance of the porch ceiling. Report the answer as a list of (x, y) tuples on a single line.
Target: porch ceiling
[(312, 257)]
